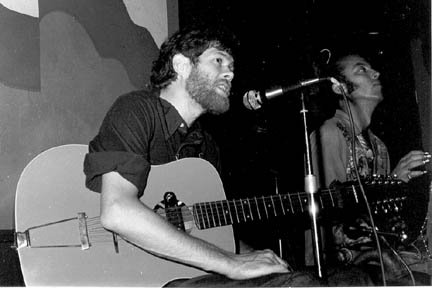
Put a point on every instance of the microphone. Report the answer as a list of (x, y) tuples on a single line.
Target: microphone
[(253, 99)]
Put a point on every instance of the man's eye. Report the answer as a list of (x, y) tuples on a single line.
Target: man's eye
[(219, 60)]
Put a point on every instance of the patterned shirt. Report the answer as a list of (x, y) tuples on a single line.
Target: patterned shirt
[(332, 152)]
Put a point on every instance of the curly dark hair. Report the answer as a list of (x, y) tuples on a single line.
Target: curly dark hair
[(336, 70), (190, 42), (336, 67)]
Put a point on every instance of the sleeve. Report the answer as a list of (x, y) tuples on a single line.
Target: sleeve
[(122, 144), (329, 155)]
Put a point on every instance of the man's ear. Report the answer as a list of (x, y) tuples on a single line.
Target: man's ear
[(337, 88), (181, 65)]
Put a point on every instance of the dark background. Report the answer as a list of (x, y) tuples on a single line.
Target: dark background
[(280, 44)]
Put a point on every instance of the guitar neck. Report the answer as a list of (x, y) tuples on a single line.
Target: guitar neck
[(385, 196), (227, 212)]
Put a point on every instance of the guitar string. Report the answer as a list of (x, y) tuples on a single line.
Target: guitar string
[(269, 202), (266, 202), (99, 234), (95, 229), (219, 207)]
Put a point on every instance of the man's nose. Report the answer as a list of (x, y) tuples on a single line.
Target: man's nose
[(375, 74), (229, 75)]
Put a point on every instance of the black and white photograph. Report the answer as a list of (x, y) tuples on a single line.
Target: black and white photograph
[(215, 143)]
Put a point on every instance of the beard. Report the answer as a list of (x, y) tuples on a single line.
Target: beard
[(203, 90)]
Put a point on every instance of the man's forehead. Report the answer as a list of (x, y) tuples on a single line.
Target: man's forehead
[(215, 51), (353, 61)]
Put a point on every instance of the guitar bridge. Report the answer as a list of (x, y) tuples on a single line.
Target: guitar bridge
[(82, 226), (22, 239)]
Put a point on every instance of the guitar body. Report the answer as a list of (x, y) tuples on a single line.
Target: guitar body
[(51, 188)]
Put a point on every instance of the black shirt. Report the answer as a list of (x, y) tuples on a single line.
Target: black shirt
[(141, 129)]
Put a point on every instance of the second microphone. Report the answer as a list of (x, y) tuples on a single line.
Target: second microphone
[(253, 99)]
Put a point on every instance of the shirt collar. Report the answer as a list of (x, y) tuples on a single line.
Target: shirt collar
[(173, 119), (344, 117)]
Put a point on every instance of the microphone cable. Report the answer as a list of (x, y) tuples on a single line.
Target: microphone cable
[(345, 98), (406, 266)]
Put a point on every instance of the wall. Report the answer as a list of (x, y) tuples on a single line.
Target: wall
[(62, 64)]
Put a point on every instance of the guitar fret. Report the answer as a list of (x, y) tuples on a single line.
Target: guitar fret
[(202, 217), (283, 208), (274, 207), (194, 216), (210, 213), (222, 210), (213, 214), (224, 213), (237, 215), (229, 210), (250, 209), (265, 207), (244, 214), (301, 202), (259, 214), (207, 215), (331, 198), (292, 208)]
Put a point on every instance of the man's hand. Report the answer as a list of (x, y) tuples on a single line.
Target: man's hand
[(255, 264), (413, 159)]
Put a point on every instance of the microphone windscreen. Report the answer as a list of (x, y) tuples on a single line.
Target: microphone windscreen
[(252, 100)]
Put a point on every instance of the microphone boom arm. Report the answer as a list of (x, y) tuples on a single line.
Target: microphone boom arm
[(253, 99)]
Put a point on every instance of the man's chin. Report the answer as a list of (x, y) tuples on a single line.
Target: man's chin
[(219, 110), (380, 97), (219, 105), (376, 97)]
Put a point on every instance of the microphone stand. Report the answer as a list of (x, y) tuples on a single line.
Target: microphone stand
[(311, 188)]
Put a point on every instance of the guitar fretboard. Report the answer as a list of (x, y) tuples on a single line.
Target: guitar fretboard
[(227, 212)]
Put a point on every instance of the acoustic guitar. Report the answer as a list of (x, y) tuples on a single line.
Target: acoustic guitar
[(61, 242)]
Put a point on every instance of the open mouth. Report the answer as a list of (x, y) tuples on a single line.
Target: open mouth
[(224, 88)]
